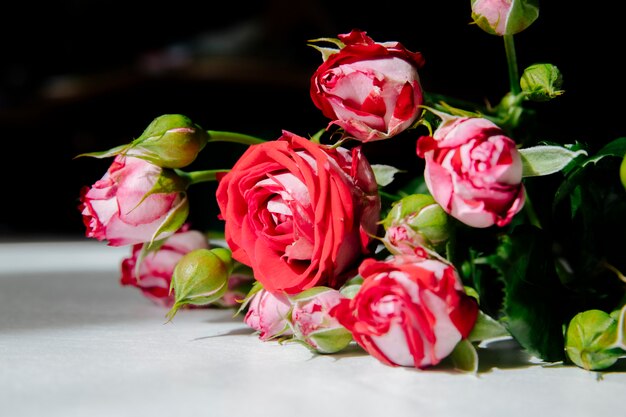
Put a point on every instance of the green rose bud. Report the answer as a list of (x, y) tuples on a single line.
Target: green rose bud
[(590, 340), (170, 141), (541, 82), (504, 17), (200, 278), (416, 220)]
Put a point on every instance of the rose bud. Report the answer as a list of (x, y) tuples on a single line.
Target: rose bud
[(200, 278), (409, 311), (541, 82), (474, 171), (134, 202), (300, 214), (313, 325), (154, 275), (415, 221), (170, 141), (268, 314), (590, 340), (504, 17), (371, 90)]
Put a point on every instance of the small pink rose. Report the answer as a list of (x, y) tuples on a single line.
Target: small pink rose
[(116, 208), (268, 314), (156, 269), (313, 324)]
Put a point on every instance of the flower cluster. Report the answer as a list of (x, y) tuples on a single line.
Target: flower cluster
[(324, 248)]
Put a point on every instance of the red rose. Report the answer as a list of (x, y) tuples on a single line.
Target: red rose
[(409, 311), (300, 214), (372, 90)]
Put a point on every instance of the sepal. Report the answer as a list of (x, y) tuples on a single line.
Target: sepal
[(325, 51)]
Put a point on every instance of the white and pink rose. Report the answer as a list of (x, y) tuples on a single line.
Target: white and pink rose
[(154, 275), (268, 314), (371, 90), (123, 209), (409, 311), (474, 171)]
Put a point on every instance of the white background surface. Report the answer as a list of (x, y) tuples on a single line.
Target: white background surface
[(73, 342)]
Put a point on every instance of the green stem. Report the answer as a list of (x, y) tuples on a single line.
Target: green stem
[(221, 136), (389, 196), (530, 211), (196, 177), (511, 59)]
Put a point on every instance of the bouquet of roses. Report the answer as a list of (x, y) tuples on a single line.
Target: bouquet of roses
[(503, 236)]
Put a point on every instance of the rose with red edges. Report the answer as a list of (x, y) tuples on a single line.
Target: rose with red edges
[(371, 90)]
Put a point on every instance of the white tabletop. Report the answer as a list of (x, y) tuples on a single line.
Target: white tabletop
[(73, 342)]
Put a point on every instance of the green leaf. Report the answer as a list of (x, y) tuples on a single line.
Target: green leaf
[(486, 328), (384, 174), (546, 159), (616, 148), (533, 294)]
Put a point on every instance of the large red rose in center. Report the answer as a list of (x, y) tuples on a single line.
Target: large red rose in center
[(300, 214)]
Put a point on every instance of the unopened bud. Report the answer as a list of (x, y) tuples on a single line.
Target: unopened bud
[(312, 323), (415, 220), (170, 141), (590, 340), (200, 277), (541, 82), (508, 17)]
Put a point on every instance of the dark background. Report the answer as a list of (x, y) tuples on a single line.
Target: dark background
[(82, 76)]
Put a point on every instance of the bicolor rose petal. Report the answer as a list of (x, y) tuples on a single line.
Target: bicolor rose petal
[(154, 275), (504, 17), (313, 324), (474, 171), (117, 208), (409, 311), (268, 314), (371, 90)]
